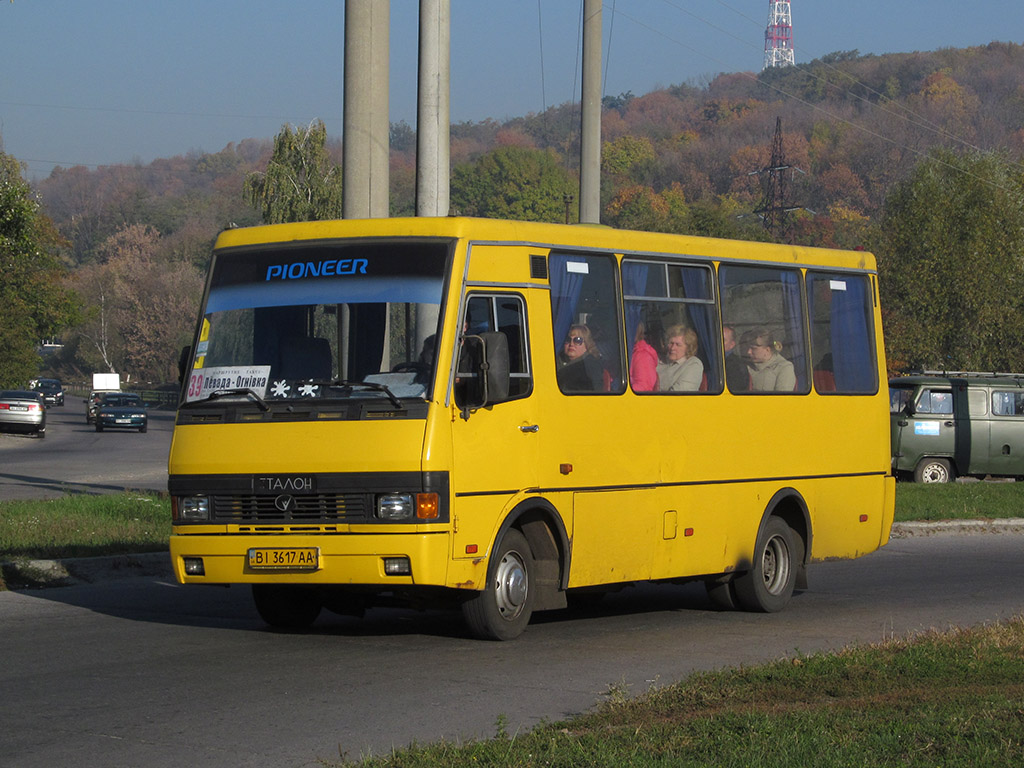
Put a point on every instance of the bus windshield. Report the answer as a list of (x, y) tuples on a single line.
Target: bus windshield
[(321, 321)]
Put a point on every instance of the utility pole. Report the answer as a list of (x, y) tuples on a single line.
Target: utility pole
[(365, 161), (590, 128), (773, 209)]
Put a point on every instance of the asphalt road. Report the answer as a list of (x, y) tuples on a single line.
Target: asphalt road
[(75, 458), (143, 672)]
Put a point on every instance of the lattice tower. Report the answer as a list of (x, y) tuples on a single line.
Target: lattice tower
[(778, 37)]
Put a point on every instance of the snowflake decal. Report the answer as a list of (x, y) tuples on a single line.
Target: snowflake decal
[(280, 388), (309, 390)]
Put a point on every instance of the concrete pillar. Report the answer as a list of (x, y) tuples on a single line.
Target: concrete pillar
[(590, 130), (433, 118), (366, 126)]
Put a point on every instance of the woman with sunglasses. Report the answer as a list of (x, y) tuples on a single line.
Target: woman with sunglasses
[(579, 363)]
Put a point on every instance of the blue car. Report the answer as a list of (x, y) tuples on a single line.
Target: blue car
[(121, 410)]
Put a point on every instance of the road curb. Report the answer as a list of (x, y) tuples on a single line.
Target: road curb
[(37, 574), (964, 527)]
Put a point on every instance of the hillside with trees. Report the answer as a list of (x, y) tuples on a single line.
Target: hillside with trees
[(915, 156)]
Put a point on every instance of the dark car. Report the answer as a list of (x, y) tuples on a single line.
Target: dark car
[(22, 410), (52, 391), (121, 410)]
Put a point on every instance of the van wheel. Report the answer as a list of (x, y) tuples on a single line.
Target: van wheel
[(934, 471), (286, 607), (503, 609), (768, 585)]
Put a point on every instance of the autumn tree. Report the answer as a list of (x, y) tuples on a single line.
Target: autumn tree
[(301, 183), (513, 183), (141, 305), (33, 303), (950, 263)]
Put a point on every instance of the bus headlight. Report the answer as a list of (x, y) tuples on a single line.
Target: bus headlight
[(395, 506), (193, 508)]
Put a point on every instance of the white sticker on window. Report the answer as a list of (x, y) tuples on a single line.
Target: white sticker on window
[(837, 285), (577, 266), (926, 427)]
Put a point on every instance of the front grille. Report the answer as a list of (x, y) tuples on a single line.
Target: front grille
[(335, 507)]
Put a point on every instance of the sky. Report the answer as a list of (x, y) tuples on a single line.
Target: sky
[(97, 82)]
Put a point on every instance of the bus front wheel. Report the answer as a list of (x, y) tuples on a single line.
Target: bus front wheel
[(503, 609), (768, 585), (286, 607), (933, 471)]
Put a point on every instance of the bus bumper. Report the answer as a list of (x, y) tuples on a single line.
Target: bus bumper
[(343, 559)]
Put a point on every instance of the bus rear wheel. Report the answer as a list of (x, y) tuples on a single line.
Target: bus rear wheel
[(286, 607), (933, 471), (768, 585), (503, 609)]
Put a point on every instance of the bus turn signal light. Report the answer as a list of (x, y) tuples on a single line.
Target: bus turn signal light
[(427, 506)]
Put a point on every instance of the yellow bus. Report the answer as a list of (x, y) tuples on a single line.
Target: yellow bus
[(501, 413)]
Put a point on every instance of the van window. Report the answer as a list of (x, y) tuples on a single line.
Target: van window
[(935, 401), (899, 398), (1008, 403)]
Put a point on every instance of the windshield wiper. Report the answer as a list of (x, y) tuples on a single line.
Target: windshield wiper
[(372, 385), (217, 394)]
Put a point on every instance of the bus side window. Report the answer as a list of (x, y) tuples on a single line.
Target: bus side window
[(587, 331), (506, 314), (842, 334), (764, 307), (665, 298)]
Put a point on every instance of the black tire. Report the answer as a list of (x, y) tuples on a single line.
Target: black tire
[(286, 607), (929, 470), (143, 429), (722, 594), (503, 609), (768, 585), (99, 427), (41, 434)]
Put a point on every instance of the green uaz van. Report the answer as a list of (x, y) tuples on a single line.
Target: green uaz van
[(964, 424)]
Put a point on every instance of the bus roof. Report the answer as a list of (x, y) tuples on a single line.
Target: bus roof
[(584, 236)]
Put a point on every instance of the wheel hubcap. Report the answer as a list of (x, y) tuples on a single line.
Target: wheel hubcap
[(775, 565), (511, 585)]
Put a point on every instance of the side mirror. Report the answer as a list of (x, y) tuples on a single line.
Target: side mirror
[(183, 358), (483, 370)]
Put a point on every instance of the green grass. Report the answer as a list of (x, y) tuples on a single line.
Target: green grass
[(959, 501), (953, 699), (84, 526)]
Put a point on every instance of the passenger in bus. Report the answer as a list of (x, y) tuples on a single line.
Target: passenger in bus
[(736, 373), (579, 363), (682, 371), (769, 370), (643, 362)]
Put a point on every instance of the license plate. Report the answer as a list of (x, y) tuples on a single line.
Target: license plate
[(284, 558), (19, 407), (122, 421)]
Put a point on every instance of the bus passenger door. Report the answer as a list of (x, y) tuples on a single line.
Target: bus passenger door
[(495, 448)]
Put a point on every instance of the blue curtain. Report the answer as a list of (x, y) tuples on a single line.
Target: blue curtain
[(634, 283), (795, 349), (565, 293), (695, 285)]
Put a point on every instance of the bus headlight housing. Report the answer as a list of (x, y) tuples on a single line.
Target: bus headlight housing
[(193, 508), (395, 506), (407, 506)]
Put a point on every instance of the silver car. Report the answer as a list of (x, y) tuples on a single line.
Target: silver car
[(22, 410)]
